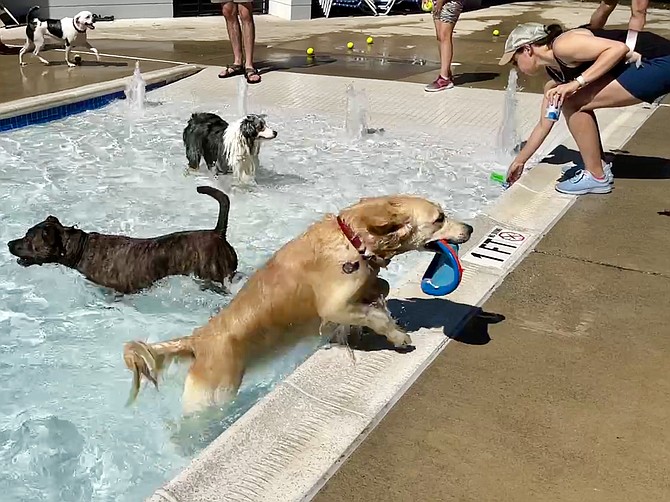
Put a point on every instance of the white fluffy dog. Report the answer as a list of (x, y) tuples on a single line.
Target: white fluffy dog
[(71, 30)]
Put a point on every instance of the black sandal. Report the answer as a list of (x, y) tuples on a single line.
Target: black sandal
[(248, 72), (231, 70)]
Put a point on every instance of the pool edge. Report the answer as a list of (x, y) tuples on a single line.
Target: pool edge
[(309, 446), (57, 105)]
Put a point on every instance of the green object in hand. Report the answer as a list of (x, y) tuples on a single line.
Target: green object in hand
[(498, 177)]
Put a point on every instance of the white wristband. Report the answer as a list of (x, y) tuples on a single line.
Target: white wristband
[(581, 81), (631, 39)]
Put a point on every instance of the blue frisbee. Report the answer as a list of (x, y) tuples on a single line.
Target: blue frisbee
[(444, 273)]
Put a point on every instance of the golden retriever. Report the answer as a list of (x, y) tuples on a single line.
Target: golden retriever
[(326, 276)]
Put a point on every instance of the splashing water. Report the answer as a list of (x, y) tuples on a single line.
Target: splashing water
[(507, 135), (242, 97), (136, 89), (356, 119)]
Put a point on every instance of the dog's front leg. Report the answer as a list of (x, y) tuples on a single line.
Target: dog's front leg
[(68, 48), (377, 319), (93, 50)]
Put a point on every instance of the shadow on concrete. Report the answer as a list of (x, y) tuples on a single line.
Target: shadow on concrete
[(101, 63), (624, 164), (460, 322), (470, 78), (638, 167), (293, 62)]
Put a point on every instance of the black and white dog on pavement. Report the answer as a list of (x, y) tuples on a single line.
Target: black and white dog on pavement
[(71, 30)]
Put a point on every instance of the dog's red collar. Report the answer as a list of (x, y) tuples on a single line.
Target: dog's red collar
[(358, 244), (354, 239)]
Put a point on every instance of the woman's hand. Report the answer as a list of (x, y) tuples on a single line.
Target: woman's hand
[(515, 171), (557, 95)]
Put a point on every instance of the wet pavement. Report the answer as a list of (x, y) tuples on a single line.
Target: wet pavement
[(404, 47)]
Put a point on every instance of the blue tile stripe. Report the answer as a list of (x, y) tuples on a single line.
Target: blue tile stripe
[(62, 111)]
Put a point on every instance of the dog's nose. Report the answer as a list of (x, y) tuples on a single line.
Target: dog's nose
[(274, 134), (469, 229)]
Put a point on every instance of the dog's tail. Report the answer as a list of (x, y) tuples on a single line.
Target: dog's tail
[(149, 360), (224, 207), (31, 17)]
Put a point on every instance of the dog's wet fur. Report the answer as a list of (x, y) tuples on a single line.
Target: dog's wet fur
[(226, 148), (324, 278), (128, 264)]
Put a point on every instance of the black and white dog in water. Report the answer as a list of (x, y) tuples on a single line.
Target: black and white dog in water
[(226, 148), (71, 30)]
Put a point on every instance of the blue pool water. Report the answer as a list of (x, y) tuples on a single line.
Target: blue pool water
[(64, 431)]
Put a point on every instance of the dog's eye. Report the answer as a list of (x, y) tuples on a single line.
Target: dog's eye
[(440, 219)]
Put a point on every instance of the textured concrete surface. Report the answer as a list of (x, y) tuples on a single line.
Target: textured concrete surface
[(566, 399)]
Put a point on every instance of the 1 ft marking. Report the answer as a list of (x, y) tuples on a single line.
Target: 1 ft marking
[(496, 249)]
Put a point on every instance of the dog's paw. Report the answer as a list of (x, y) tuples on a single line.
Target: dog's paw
[(399, 339)]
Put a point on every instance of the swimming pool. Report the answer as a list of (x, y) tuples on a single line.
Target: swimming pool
[(64, 431)]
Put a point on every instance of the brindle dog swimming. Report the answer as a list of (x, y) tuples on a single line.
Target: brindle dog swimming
[(127, 264)]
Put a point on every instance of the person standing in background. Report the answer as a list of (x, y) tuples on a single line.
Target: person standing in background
[(240, 34), (445, 15), (638, 18)]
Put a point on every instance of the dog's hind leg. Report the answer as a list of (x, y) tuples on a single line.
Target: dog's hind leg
[(212, 380), (27, 47), (39, 43), (193, 156)]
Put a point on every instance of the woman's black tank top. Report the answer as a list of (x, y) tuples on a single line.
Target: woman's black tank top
[(649, 45)]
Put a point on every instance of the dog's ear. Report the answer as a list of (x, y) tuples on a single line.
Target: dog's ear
[(53, 219), (388, 225), (248, 128)]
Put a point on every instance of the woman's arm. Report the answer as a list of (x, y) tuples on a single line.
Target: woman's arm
[(581, 46), (535, 140)]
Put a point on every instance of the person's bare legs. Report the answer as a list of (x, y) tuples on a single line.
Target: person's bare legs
[(230, 12), (638, 14), (248, 32), (445, 46), (578, 111), (602, 13)]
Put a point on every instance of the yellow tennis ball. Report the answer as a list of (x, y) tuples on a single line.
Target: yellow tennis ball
[(350, 45), (369, 40), (428, 6), (310, 51), (496, 33)]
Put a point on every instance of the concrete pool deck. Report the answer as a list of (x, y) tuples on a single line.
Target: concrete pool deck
[(552, 408)]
